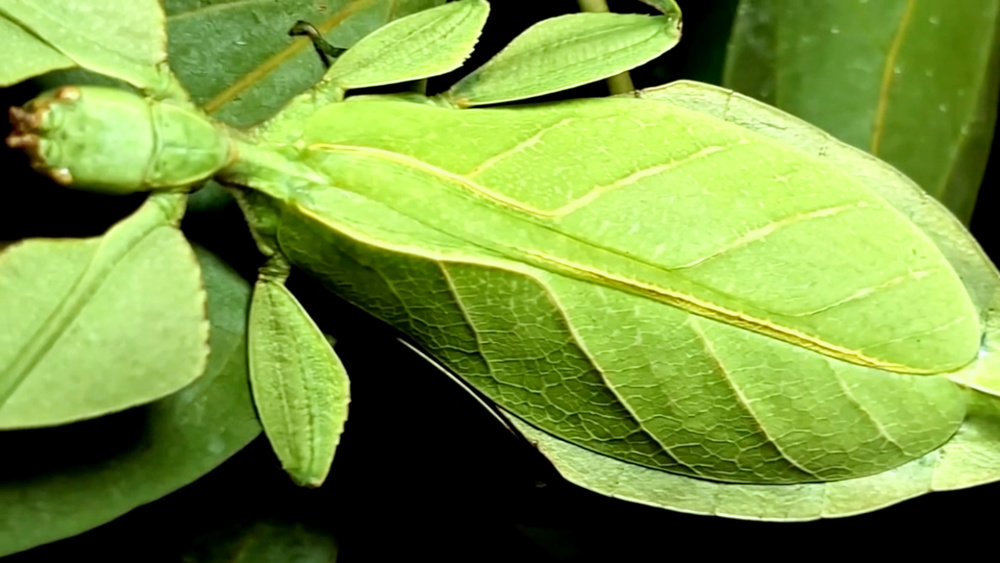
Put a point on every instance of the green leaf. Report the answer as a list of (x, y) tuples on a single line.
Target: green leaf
[(237, 59), (299, 385), (560, 53), (26, 54), (125, 39), (99, 325), (914, 83), (167, 444)]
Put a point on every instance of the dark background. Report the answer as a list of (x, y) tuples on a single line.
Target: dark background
[(423, 471)]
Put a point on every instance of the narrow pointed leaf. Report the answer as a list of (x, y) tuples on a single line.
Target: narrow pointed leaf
[(914, 83), (99, 325), (25, 54), (47, 493), (299, 385), (560, 53), (125, 39), (430, 43)]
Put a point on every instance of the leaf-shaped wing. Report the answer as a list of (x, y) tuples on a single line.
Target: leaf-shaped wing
[(683, 208), (631, 377)]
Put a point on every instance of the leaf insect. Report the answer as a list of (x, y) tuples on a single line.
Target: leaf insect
[(650, 309)]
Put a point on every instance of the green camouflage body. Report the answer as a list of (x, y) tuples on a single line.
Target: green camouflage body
[(648, 322)]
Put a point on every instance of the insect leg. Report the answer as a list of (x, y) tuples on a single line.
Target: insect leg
[(326, 51)]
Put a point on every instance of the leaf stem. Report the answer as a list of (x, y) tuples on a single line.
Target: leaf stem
[(619, 83)]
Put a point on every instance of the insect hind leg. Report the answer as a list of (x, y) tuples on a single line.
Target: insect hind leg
[(324, 49)]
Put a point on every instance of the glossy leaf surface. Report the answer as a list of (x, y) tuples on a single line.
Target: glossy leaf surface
[(251, 67), (46, 494), (914, 83), (83, 345)]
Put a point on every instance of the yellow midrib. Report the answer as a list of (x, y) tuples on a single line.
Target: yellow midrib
[(888, 75)]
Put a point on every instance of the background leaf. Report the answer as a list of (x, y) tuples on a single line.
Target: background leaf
[(914, 83), (57, 482), (238, 61)]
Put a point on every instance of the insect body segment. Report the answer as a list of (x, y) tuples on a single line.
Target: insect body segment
[(108, 140)]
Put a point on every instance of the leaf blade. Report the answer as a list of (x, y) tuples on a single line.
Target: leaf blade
[(920, 92)]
